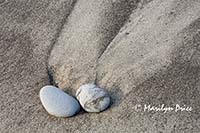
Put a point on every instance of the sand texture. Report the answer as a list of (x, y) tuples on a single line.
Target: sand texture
[(140, 51)]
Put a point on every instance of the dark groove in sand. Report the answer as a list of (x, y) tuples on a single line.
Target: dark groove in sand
[(106, 46)]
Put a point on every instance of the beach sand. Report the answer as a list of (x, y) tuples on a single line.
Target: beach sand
[(142, 52)]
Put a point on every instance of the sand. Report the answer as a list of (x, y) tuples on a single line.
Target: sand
[(143, 52)]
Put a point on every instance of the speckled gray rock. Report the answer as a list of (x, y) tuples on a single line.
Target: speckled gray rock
[(92, 98), (58, 103)]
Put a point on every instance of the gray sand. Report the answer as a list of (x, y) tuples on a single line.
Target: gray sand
[(144, 52)]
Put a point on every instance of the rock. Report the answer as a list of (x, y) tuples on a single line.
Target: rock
[(92, 98), (58, 103)]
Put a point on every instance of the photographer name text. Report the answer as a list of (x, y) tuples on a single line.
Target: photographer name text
[(162, 108)]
